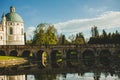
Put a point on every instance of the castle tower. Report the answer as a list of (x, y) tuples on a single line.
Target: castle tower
[(14, 28), (3, 37), (12, 9), (2, 30)]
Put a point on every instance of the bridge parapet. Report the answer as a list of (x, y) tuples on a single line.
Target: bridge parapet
[(64, 48), (60, 46)]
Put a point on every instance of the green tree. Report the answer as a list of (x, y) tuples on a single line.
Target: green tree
[(39, 35), (94, 31), (72, 39), (51, 35), (104, 33), (79, 39), (62, 39), (45, 34)]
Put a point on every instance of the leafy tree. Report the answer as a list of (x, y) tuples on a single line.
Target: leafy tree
[(94, 31), (104, 34), (62, 39), (51, 35), (104, 38), (28, 42), (72, 39), (45, 34), (79, 39), (39, 35)]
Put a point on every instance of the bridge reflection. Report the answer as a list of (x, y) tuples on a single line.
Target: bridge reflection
[(53, 60), (71, 65)]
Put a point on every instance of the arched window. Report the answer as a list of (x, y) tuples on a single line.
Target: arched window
[(11, 30), (1, 37), (22, 32), (10, 23)]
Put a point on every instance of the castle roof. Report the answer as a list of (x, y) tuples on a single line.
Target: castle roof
[(13, 16)]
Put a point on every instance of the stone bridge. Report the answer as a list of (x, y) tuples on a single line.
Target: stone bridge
[(63, 55), (65, 50)]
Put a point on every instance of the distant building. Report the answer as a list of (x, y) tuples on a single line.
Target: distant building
[(11, 28)]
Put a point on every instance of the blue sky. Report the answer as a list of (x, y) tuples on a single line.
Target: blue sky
[(68, 16)]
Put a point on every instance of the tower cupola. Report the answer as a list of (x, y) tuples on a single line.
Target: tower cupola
[(3, 17), (12, 9)]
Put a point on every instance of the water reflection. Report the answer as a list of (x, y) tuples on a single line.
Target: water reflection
[(89, 68), (67, 76), (12, 77), (87, 76)]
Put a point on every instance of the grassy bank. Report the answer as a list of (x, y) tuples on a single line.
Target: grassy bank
[(6, 61), (8, 57)]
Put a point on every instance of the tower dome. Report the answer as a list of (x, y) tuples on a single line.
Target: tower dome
[(13, 16)]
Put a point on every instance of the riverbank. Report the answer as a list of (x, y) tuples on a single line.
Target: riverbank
[(6, 61)]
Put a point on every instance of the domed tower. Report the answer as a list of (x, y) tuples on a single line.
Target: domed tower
[(2, 30), (14, 28)]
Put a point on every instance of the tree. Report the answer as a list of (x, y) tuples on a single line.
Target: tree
[(79, 39), (104, 33), (39, 35), (45, 34), (51, 35), (72, 38), (94, 31), (62, 39)]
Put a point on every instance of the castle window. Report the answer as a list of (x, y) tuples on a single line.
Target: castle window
[(11, 30), (1, 37), (8, 23), (22, 32)]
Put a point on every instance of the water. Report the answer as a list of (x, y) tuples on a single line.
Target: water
[(103, 68), (67, 76)]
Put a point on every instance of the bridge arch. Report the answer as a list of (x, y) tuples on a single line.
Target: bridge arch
[(13, 53), (72, 54), (117, 53), (88, 57), (26, 53), (105, 53), (39, 54), (41, 57), (72, 58), (2, 53), (104, 57), (88, 54), (56, 58)]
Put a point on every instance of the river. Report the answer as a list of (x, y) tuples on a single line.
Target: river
[(99, 68)]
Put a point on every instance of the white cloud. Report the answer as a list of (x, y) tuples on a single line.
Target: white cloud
[(92, 11), (30, 32), (107, 20)]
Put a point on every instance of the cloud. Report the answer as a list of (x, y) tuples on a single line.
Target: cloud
[(95, 9), (106, 20), (92, 11), (109, 21), (30, 32)]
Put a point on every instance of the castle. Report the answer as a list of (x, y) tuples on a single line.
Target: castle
[(12, 28)]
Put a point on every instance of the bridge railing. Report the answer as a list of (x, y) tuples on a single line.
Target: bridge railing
[(60, 46)]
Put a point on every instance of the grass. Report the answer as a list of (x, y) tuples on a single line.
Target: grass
[(8, 57), (6, 61)]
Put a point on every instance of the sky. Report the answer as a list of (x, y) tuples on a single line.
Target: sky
[(68, 16)]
